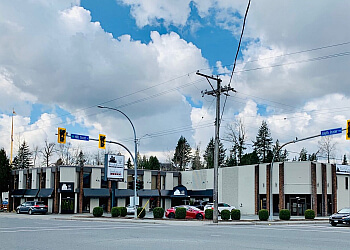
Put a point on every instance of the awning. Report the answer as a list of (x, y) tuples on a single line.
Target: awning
[(179, 191), (148, 193), (124, 192), (96, 192), (165, 193), (201, 193), (45, 193), (18, 193), (30, 193)]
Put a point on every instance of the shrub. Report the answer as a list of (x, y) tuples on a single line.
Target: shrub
[(180, 213), (236, 214), (122, 211), (309, 214), (158, 212), (225, 214), (263, 214), (97, 212), (208, 214), (115, 212), (284, 214), (141, 212)]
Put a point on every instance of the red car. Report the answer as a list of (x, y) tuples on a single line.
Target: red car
[(191, 212)]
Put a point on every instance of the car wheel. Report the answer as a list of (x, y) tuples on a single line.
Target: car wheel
[(17, 211), (171, 216), (30, 212), (333, 223), (199, 217)]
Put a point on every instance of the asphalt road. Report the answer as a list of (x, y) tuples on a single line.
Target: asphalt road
[(43, 232)]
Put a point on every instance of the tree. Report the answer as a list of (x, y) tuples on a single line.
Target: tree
[(153, 163), (345, 161), (5, 172), (47, 152), (237, 135), (250, 158), (209, 154), (182, 155), (263, 143), (196, 159), (24, 157), (327, 146), (80, 159), (35, 153), (313, 157), (129, 164), (303, 155)]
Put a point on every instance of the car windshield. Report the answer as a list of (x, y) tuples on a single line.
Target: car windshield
[(344, 211), (40, 203)]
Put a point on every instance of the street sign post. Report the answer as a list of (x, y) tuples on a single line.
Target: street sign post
[(331, 131), (79, 137)]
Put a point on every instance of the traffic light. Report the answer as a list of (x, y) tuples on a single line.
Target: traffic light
[(102, 141), (139, 185), (61, 135), (348, 130)]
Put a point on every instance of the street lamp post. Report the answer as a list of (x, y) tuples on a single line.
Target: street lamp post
[(135, 157)]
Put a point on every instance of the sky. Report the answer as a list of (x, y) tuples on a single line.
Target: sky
[(60, 59)]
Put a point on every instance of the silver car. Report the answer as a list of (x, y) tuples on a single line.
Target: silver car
[(221, 206)]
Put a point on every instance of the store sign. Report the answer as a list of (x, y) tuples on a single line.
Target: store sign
[(114, 166), (67, 187)]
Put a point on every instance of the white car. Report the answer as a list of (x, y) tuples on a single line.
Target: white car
[(130, 209), (221, 206)]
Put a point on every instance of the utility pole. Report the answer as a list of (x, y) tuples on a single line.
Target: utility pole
[(216, 93)]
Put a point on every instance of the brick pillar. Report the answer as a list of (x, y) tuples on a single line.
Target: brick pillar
[(110, 197), (281, 204), (180, 181), (56, 197), (158, 187), (81, 185), (256, 189), (334, 189), (324, 189), (268, 168), (313, 188)]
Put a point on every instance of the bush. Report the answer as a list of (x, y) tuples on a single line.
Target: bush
[(115, 212), (208, 214), (236, 214), (309, 214), (263, 214), (180, 213), (225, 214), (158, 212), (284, 214), (122, 211), (141, 212), (97, 212)]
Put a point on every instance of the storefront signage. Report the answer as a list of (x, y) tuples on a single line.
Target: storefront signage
[(67, 187), (114, 166)]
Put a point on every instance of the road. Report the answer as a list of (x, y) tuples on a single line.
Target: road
[(43, 232)]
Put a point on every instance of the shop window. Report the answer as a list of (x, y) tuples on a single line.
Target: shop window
[(346, 183), (104, 184), (86, 180)]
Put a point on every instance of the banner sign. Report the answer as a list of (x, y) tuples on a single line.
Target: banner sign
[(114, 167)]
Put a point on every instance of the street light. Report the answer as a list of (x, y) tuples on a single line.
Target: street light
[(135, 158)]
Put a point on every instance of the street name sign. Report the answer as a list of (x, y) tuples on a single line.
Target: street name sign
[(331, 131), (79, 137)]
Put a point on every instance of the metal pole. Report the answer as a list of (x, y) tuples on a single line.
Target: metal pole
[(135, 157), (13, 112)]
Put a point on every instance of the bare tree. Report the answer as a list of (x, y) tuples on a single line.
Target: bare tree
[(65, 154), (236, 134), (327, 147), (35, 153), (47, 152)]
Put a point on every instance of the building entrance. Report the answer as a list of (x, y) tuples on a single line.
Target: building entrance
[(67, 205), (298, 206)]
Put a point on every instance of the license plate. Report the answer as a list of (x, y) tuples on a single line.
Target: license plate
[(336, 221)]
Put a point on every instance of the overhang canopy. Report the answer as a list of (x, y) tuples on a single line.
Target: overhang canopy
[(179, 192), (17, 193), (45, 193), (31, 193), (201, 193), (96, 192), (148, 193), (165, 193), (124, 192)]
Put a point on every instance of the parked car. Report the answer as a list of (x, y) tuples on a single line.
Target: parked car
[(221, 206), (32, 207), (130, 209), (200, 204), (340, 217), (191, 212)]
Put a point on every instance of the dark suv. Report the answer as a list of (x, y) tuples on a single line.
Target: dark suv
[(32, 207)]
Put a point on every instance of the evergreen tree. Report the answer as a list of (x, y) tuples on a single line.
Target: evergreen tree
[(313, 157), (345, 161), (263, 143), (23, 159), (209, 154), (5, 172), (129, 164), (250, 158), (182, 155), (196, 160), (80, 159), (153, 163), (303, 155)]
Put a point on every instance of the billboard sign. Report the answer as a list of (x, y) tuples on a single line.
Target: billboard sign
[(114, 167)]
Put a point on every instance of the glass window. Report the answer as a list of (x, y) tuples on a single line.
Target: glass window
[(346, 183)]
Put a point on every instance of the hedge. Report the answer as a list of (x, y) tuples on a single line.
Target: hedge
[(158, 212), (284, 214), (225, 214), (208, 214), (97, 211), (236, 214), (309, 214), (115, 212), (123, 211), (263, 214), (180, 213), (141, 212)]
